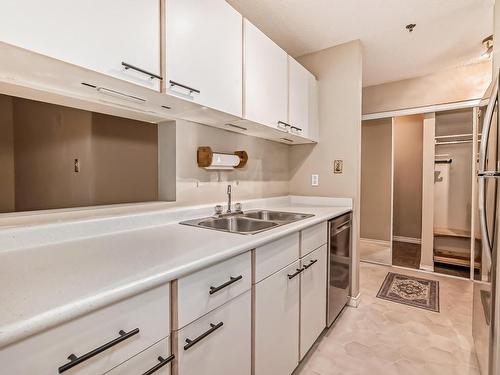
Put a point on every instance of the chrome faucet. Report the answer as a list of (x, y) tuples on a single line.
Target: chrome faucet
[(228, 199)]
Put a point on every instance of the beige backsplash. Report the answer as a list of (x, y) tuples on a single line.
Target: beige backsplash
[(265, 175)]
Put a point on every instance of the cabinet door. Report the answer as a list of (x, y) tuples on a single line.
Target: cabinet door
[(204, 53), (277, 322), (298, 97), (219, 342), (312, 298), (95, 34), (313, 124), (266, 79)]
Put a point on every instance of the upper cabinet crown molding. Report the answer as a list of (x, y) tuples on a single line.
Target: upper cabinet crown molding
[(204, 50), (121, 40)]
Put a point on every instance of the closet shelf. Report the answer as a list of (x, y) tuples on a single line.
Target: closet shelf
[(450, 232), (451, 257), (446, 232)]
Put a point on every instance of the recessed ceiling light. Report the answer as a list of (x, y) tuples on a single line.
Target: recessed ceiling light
[(410, 27)]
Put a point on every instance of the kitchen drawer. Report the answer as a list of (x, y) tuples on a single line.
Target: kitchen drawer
[(211, 287), (218, 343), (313, 237), (155, 359), (45, 353), (276, 255)]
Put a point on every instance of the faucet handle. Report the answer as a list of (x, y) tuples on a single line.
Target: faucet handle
[(218, 209), (238, 207)]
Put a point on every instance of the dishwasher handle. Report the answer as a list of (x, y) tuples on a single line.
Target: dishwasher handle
[(342, 228)]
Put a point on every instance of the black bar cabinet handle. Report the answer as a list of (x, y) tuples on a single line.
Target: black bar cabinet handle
[(296, 128), (152, 75), (213, 328), (215, 289), (190, 89), (284, 123), (163, 362), (74, 360), (299, 270), (306, 266)]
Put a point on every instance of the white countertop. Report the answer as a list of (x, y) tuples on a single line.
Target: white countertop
[(43, 286)]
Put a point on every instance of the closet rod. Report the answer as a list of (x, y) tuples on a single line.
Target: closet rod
[(444, 161), (453, 142), (454, 136)]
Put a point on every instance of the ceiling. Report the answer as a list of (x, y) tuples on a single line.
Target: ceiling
[(448, 32)]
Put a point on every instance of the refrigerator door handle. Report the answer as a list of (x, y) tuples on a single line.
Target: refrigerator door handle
[(482, 164), (487, 127)]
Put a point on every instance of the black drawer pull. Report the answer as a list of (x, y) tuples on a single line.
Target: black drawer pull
[(163, 362), (215, 289), (151, 75), (214, 327), (190, 89), (299, 270), (74, 360), (306, 266), (296, 128)]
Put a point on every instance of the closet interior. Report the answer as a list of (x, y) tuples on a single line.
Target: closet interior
[(453, 184), (418, 191)]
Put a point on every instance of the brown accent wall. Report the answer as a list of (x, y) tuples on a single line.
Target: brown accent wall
[(408, 159), (376, 179), (47, 139), (124, 160), (118, 157), (448, 86), (7, 190)]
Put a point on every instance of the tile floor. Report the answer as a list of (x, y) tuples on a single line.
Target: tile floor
[(374, 252), (383, 337)]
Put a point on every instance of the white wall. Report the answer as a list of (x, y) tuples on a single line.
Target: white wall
[(339, 71)]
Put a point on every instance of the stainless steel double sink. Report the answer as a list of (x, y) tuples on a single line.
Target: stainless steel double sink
[(248, 222)]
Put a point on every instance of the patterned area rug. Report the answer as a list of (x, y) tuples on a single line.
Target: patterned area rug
[(411, 291)]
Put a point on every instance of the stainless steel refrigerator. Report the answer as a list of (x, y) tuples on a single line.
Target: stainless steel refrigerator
[(486, 305)]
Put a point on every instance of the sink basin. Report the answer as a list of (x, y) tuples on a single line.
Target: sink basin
[(275, 215), (237, 224), (249, 222)]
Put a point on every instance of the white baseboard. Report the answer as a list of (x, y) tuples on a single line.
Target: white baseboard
[(354, 301), (424, 267), (375, 242), (407, 239)]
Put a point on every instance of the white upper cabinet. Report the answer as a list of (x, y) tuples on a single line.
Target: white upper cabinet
[(313, 112), (266, 79), (204, 53), (101, 35), (298, 97)]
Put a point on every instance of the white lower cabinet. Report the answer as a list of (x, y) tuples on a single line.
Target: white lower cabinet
[(218, 343), (312, 298), (94, 343), (154, 360), (277, 322)]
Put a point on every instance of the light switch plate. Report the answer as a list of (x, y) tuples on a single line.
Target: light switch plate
[(338, 166), (315, 180)]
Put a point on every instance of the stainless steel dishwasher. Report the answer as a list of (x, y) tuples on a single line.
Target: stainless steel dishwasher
[(339, 265)]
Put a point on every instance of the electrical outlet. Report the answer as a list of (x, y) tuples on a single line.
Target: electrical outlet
[(315, 180)]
